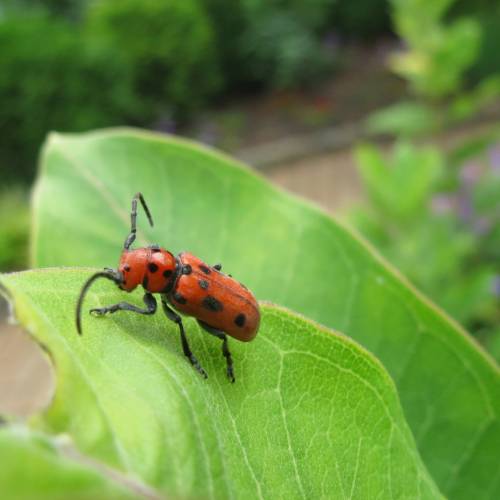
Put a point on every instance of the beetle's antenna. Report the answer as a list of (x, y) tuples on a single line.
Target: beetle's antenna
[(133, 217), (109, 274)]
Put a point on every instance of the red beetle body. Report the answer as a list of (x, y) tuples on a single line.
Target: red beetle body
[(220, 304), (193, 288), (215, 298)]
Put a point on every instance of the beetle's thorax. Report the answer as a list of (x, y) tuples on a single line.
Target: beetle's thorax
[(152, 267)]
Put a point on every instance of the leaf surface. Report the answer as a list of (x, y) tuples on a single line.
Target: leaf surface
[(286, 251), (311, 414), (36, 467)]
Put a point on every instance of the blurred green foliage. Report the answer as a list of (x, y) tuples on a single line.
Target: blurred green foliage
[(438, 61), (439, 225), (168, 47), (486, 13), (361, 19), (437, 53), (281, 41), (14, 227), (74, 65), (50, 79), (435, 213)]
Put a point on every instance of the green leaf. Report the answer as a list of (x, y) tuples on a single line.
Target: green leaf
[(290, 253), (36, 467), (404, 119), (311, 414), (411, 170), (482, 96), (438, 53)]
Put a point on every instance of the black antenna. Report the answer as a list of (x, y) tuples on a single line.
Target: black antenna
[(133, 217), (109, 274)]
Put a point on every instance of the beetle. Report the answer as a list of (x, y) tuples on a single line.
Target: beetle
[(221, 305)]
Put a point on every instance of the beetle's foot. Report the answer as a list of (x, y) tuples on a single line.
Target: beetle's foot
[(99, 311), (197, 365), (230, 374)]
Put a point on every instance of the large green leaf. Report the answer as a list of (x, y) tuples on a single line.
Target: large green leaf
[(289, 252), (311, 414), (37, 467)]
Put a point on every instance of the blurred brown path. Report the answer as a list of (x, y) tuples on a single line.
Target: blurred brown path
[(25, 375), (330, 180)]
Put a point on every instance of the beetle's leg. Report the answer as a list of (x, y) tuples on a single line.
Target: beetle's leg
[(173, 316), (133, 217), (225, 348), (149, 300)]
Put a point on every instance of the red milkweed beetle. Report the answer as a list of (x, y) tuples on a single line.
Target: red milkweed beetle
[(220, 304)]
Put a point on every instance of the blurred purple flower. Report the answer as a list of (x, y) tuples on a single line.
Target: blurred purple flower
[(494, 154), (442, 204), (465, 206), (331, 41), (481, 225), (470, 173), (166, 124), (495, 288), (208, 134)]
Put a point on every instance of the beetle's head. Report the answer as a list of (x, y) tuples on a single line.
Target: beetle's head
[(132, 267)]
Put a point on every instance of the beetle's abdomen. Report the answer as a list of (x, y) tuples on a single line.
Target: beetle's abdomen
[(215, 298)]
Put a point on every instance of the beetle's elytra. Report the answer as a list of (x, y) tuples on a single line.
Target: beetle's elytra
[(221, 305)]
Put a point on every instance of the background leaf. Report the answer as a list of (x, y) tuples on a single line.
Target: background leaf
[(289, 252), (415, 171), (36, 466), (311, 415)]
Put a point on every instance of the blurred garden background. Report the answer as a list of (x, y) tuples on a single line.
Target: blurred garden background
[(385, 112)]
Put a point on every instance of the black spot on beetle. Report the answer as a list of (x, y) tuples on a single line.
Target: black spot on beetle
[(203, 284), (152, 267), (126, 267), (180, 298), (205, 269), (145, 282), (187, 269), (167, 273), (212, 304), (240, 320)]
